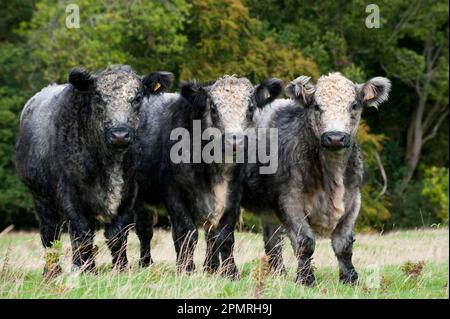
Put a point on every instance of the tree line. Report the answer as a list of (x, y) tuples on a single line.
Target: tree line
[(405, 143)]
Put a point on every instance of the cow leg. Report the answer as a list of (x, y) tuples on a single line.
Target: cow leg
[(144, 231), (50, 224), (184, 230), (226, 251), (219, 245), (81, 230), (302, 239), (220, 240), (273, 246), (212, 258), (116, 234), (82, 238), (343, 246), (227, 226), (185, 236), (342, 241), (303, 245)]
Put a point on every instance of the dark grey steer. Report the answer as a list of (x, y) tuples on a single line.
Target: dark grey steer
[(74, 152), (194, 190), (320, 169)]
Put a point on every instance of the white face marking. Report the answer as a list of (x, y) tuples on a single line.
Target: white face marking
[(334, 95), (117, 90), (232, 97)]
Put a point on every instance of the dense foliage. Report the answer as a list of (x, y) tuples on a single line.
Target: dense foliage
[(405, 143), (435, 188)]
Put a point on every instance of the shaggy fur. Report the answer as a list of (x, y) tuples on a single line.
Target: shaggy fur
[(316, 189), (230, 97), (200, 192), (65, 156)]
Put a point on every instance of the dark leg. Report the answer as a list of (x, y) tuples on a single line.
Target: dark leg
[(304, 249), (81, 232), (220, 240), (144, 231), (185, 238), (273, 245), (342, 241), (212, 259), (184, 230), (116, 234), (301, 236), (343, 246), (82, 238), (224, 232), (219, 246), (229, 268), (50, 224)]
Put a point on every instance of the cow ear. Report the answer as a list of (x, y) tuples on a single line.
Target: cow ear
[(81, 79), (268, 91), (375, 91), (300, 89), (194, 94), (157, 82)]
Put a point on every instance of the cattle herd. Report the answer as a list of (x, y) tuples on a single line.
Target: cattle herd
[(107, 144)]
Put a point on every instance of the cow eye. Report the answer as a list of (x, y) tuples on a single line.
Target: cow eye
[(213, 111), (98, 99), (317, 108), (354, 106), (138, 98)]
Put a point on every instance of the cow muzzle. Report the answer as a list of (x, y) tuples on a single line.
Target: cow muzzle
[(335, 140), (120, 137)]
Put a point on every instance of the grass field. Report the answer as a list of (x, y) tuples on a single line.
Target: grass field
[(403, 264)]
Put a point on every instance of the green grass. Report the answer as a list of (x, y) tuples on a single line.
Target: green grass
[(380, 260)]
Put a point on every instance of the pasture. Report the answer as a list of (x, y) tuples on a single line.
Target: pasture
[(401, 264)]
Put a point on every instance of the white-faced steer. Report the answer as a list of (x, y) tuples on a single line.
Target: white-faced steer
[(320, 169), (75, 153), (196, 189)]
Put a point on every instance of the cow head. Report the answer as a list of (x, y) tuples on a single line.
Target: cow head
[(229, 102), (335, 105), (114, 97)]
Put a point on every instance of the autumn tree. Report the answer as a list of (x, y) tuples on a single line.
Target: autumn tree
[(405, 142), (225, 39)]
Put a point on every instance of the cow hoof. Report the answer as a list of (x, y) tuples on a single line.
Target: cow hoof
[(190, 267), (144, 263), (231, 272), (349, 277), (211, 268), (306, 280), (186, 267), (235, 276)]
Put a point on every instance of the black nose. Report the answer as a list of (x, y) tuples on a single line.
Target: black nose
[(335, 140), (120, 137)]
